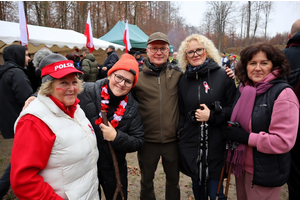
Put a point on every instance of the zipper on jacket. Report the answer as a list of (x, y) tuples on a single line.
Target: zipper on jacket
[(196, 75), (160, 110)]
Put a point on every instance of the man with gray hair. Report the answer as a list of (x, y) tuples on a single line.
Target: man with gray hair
[(157, 93)]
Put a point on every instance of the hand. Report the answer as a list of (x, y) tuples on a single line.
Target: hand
[(229, 72), (202, 115), (109, 132), (104, 68), (237, 134), (28, 101)]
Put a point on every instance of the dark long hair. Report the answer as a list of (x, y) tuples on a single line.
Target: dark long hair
[(275, 55)]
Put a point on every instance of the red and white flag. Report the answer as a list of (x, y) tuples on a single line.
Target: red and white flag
[(89, 34), (24, 35), (126, 38)]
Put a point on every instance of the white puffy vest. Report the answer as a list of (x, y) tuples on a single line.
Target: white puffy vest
[(72, 166)]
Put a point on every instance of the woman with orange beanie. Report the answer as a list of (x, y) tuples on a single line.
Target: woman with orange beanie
[(125, 131)]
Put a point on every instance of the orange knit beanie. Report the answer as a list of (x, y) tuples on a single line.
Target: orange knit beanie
[(127, 62)]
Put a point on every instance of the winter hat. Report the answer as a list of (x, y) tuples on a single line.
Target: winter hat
[(158, 36), (127, 62), (234, 56), (137, 53), (56, 66)]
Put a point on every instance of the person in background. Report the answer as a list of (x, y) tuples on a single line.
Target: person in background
[(38, 56), (57, 157), (139, 58), (111, 59), (156, 92), (206, 95), (223, 59), (125, 131), (267, 112), (89, 66), (175, 63), (15, 88), (292, 52)]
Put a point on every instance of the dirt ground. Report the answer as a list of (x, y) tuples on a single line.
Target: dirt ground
[(133, 178)]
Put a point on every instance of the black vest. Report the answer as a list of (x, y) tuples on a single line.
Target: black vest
[(270, 170)]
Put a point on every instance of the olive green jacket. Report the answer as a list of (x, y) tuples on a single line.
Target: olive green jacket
[(158, 98), (89, 68)]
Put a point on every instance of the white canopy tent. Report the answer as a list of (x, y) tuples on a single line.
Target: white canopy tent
[(50, 37)]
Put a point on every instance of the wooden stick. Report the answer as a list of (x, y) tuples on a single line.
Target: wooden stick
[(115, 161)]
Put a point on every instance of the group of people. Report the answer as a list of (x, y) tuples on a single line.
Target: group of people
[(187, 119)]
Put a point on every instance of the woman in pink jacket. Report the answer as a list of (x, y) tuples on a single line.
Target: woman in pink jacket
[(267, 112)]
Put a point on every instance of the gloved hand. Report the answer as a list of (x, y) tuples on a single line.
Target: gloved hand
[(237, 134)]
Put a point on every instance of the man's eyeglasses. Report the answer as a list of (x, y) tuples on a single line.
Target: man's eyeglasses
[(118, 78), (199, 52), (162, 49)]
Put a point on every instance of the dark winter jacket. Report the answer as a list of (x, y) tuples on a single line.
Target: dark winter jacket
[(130, 133), (89, 68), (158, 98), (112, 58), (292, 52), (222, 89), (15, 88)]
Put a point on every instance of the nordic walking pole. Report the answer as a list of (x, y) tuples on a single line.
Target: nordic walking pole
[(115, 161), (223, 170)]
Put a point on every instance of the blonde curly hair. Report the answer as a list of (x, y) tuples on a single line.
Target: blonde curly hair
[(208, 45)]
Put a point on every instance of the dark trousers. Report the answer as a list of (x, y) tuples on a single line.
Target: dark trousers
[(108, 182), (5, 182), (199, 191), (148, 157)]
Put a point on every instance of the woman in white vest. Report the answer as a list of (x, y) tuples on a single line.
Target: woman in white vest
[(55, 153)]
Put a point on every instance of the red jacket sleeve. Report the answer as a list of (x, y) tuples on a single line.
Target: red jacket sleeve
[(30, 153)]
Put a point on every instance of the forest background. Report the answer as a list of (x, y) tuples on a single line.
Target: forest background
[(229, 24)]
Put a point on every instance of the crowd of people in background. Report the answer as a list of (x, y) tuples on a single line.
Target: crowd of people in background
[(201, 112)]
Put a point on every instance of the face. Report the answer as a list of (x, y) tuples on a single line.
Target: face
[(223, 55), (137, 56), (66, 89), (109, 50), (119, 89), (174, 55), (196, 60), (258, 67), (27, 58), (158, 58)]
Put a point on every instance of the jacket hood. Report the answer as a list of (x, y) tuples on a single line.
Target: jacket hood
[(15, 54), (14, 57), (294, 39), (91, 57)]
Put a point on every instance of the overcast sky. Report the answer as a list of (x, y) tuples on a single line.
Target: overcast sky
[(285, 13)]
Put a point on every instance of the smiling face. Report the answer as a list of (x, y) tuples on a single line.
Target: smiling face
[(158, 58), (119, 89), (259, 67), (196, 60), (66, 89)]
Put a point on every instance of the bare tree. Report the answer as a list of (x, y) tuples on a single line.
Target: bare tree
[(221, 11), (267, 7), (248, 22), (258, 6)]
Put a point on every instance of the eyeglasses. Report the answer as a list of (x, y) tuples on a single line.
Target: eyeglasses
[(155, 49), (199, 52), (118, 78)]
